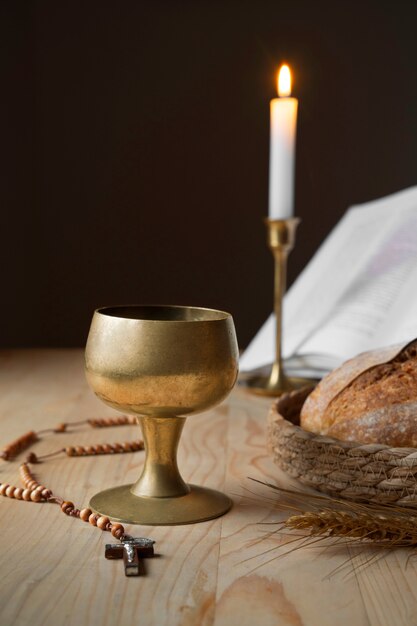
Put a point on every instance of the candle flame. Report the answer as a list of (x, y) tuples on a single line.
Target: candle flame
[(284, 81)]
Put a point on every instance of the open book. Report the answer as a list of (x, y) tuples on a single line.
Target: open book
[(359, 291)]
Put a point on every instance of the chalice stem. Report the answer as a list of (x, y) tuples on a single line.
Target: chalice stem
[(160, 477)]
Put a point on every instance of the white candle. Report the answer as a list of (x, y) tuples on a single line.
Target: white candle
[(282, 149)]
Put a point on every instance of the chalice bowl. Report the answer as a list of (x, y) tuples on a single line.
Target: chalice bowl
[(161, 363)]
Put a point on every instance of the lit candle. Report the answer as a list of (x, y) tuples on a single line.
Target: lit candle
[(282, 148)]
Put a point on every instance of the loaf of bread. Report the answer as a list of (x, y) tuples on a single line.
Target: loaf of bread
[(370, 399)]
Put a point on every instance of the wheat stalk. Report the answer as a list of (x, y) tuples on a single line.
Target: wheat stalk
[(317, 520), (391, 530), (322, 516)]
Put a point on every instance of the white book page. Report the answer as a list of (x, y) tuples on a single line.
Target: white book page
[(401, 326), (366, 314), (342, 303)]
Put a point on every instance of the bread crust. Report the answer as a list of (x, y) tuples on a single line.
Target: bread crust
[(393, 426), (370, 399)]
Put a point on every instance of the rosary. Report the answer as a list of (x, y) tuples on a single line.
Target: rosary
[(130, 549)]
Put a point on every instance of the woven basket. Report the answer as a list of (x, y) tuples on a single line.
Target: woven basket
[(362, 472)]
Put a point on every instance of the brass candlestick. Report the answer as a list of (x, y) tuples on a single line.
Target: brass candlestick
[(281, 239), (161, 363)]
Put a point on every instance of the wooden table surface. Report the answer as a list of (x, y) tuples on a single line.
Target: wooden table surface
[(223, 572)]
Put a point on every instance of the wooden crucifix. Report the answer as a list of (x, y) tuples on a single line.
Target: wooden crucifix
[(131, 550)]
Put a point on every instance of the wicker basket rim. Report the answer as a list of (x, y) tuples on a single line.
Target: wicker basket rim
[(371, 472)]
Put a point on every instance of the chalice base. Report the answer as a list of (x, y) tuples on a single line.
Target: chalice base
[(199, 505), (262, 385)]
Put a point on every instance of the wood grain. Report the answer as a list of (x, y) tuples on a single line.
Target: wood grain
[(217, 573)]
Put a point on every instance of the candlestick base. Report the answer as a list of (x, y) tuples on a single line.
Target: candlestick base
[(263, 386)]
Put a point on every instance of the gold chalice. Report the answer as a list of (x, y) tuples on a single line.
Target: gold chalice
[(161, 363)]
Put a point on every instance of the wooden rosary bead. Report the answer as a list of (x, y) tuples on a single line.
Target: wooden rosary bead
[(10, 491), (66, 507), (102, 522), (35, 496), (26, 494), (18, 445), (85, 514), (119, 534), (25, 470), (93, 519), (111, 421), (117, 530), (105, 448), (36, 492)]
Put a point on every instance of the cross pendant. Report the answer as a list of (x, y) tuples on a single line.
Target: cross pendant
[(131, 550)]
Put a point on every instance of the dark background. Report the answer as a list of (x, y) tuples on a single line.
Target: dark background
[(135, 138)]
